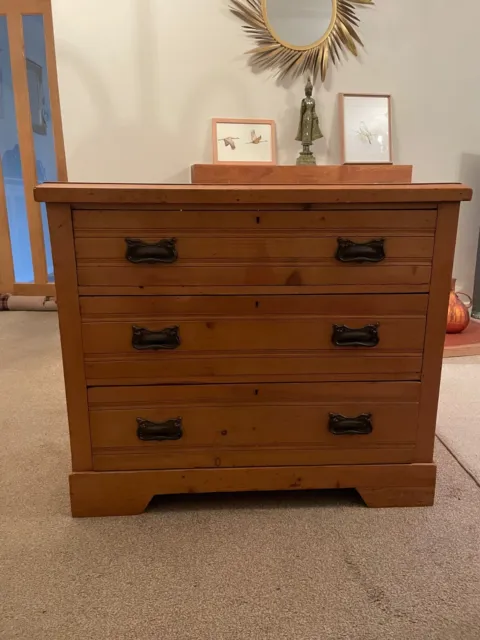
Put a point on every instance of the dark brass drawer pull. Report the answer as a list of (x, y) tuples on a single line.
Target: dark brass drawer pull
[(341, 426), (346, 337), (146, 340), (159, 431), (349, 251), (140, 252)]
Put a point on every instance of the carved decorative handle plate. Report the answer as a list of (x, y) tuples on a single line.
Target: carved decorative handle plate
[(140, 252), (146, 340), (344, 336), (341, 426), (349, 251)]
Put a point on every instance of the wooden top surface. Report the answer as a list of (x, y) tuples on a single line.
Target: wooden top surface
[(329, 174), (176, 194)]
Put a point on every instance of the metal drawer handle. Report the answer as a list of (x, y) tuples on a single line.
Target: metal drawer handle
[(341, 426), (140, 252), (146, 340), (159, 431), (350, 251), (344, 336)]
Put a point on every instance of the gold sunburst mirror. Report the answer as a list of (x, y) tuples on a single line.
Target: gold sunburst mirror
[(296, 37)]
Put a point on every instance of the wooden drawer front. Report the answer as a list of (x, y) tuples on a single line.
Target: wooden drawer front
[(243, 334), (135, 222), (247, 335), (254, 248), (218, 249), (252, 425)]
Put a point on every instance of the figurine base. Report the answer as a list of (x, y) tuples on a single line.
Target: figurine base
[(306, 159)]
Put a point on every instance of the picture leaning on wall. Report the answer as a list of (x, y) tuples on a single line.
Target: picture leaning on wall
[(366, 129), (244, 141)]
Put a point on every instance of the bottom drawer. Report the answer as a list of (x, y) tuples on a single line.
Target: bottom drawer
[(179, 427)]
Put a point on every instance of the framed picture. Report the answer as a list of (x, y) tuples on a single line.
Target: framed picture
[(366, 129), (37, 97), (244, 141)]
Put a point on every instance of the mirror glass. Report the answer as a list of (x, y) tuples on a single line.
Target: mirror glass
[(299, 23)]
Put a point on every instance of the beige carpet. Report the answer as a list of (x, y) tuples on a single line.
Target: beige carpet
[(311, 566), (459, 414)]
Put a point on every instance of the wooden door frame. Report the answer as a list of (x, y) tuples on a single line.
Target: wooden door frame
[(14, 10)]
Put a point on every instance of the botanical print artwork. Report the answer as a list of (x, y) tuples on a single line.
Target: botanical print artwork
[(366, 129), (244, 141)]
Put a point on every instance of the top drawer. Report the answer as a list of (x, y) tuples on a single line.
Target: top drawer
[(131, 220), (254, 248)]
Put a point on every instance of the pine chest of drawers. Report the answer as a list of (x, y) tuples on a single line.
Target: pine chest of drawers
[(251, 338)]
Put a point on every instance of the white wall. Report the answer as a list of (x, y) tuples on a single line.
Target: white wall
[(141, 79)]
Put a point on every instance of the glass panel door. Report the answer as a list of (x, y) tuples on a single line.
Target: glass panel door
[(31, 144), (40, 113), (12, 167)]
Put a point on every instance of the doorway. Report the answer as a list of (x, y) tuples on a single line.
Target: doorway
[(31, 144)]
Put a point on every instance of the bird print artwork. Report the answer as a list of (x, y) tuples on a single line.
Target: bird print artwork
[(364, 133), (255, 139), (229, 142), (244, 140)]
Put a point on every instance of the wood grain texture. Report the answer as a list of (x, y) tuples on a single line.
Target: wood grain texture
[(61, 234), (26, 145), (262, 366), (256, 376), (253, 425), (128, 493), (386, 497), (260, 257), (236, 338), (109, 398), (246, 334), (24, 7), (224, 422), (31, 289), (219, 249), (254, 274), (445, 240), (372, 306), (248, 194), (252, 206), (252, 457), (135, 222), (255, 290), (328, 174)]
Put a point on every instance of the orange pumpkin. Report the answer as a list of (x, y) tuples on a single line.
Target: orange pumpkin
[(458, 317)]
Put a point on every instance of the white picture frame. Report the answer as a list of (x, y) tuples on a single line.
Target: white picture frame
[(243, 141), (366, 128)]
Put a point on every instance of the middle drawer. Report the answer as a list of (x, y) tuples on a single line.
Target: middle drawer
[(138, 340)]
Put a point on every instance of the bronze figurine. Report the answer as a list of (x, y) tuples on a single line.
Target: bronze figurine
[(308, 128)]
